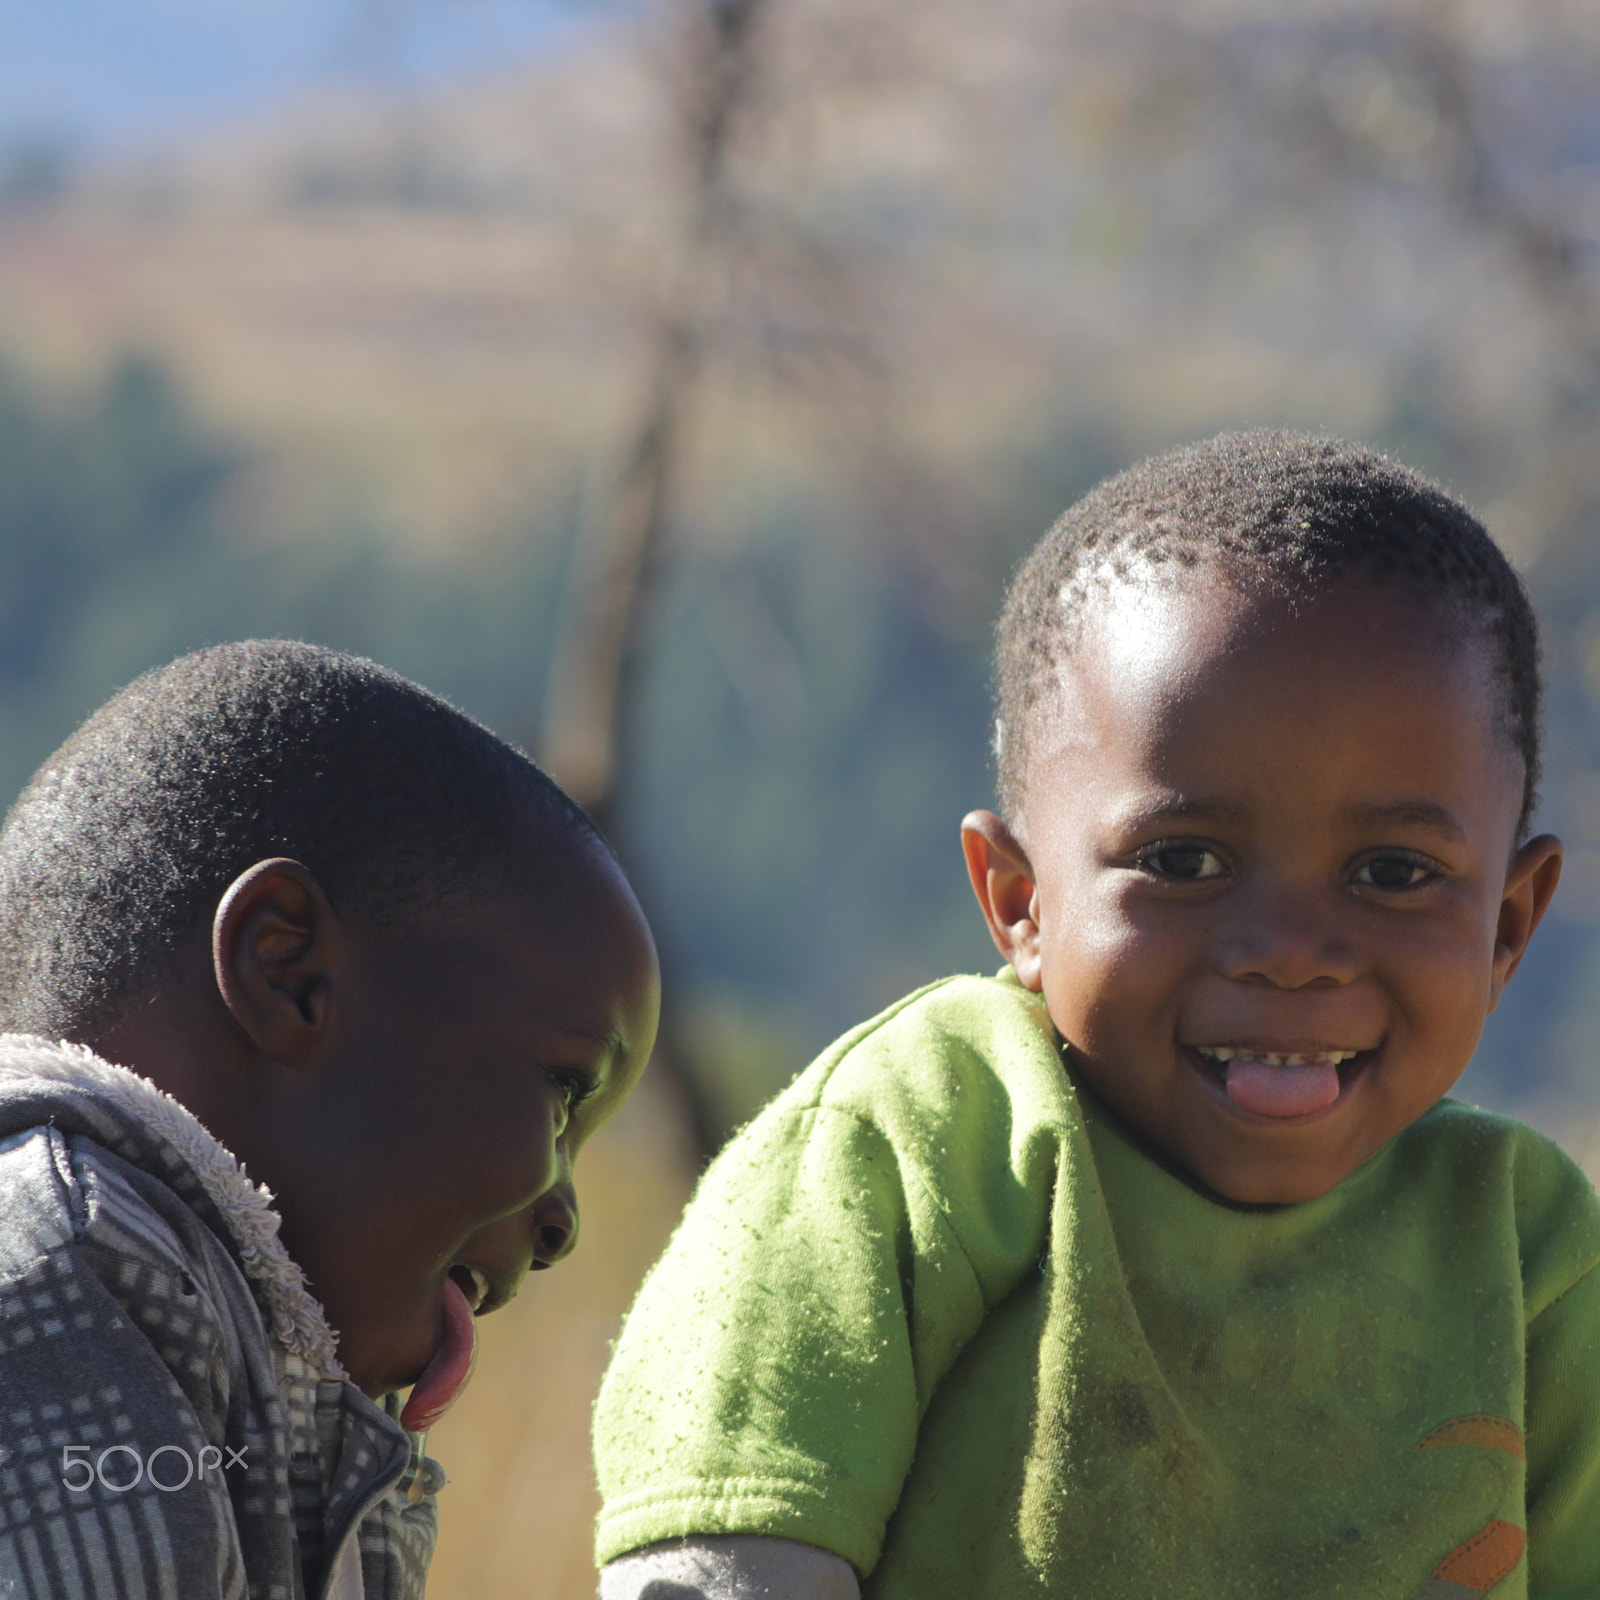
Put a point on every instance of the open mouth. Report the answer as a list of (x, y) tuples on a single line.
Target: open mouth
[(474, 1285), (1280, 1084)]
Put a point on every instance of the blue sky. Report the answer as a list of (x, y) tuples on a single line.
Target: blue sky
[(105, 74)]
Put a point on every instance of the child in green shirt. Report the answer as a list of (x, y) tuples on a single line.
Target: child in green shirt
[(1160, 1265)]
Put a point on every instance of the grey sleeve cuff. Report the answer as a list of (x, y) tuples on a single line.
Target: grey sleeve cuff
[(741, 1566)]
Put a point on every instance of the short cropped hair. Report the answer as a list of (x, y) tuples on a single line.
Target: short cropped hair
[(1292, 509), (127, 837)]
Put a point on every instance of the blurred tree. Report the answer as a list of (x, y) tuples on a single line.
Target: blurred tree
[(595, 689)]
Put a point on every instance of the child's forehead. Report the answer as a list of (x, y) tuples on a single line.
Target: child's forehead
[(547, 897), (553, 884), (1153, 633), (1210, 663), (561, 944)]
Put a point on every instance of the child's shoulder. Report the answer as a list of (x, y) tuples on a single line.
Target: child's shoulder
[(41, 1206), (1487, 1145), (67, 1183), (961, 1082), (1460, 1150), (966, 1035)]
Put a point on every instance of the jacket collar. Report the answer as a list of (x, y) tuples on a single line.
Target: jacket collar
[(79, 1092)]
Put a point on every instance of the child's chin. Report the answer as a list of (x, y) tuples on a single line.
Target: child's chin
[(1259, 1181), (398, 1361)]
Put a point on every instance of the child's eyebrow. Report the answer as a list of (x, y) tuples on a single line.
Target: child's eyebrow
[(1361, 814), (1176, 808), (1414, 813), (612, 1046)]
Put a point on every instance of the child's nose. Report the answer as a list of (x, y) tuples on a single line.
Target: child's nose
[(1289, 939), (555, 1225)]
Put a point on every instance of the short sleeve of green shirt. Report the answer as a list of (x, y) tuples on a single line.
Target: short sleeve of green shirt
[(772, 1376)]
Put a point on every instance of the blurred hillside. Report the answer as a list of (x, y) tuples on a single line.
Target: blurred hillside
[(373, 373)]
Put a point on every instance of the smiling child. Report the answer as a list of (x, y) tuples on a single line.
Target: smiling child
[(292, 916), (1159, 1265)]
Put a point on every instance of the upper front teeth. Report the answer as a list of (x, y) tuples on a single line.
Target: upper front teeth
[(480, 1286), (1227, 1053)]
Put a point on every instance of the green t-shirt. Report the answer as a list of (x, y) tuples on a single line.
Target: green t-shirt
[(936, 1312)]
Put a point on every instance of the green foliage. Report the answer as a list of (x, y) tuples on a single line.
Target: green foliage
[(87, 499), (121, 547)]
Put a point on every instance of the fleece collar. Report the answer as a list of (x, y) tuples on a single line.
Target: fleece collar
[(31, 1064)]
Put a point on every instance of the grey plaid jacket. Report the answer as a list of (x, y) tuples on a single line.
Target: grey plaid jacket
[(174, 1424)]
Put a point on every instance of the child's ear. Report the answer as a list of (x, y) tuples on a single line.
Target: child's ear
[(1535, 870), (1002, 879), (276, 943)]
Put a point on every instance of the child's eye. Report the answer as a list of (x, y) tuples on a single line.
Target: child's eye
[(1183, 863), (1396, 872), (575, 1087)]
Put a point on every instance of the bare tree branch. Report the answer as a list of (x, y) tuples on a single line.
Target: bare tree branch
[(594, 687)]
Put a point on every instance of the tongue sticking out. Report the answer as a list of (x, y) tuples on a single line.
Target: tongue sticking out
[(446, 1375), (1272, 1091)]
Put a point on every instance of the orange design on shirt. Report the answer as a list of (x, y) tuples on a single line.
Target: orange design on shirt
[(1489, 1433), (1485, 1558)]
